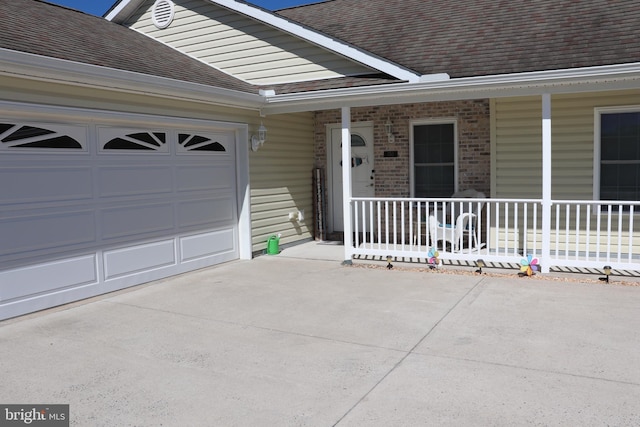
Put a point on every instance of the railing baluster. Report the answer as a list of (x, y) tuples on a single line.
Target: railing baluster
[(379, 234), (471, 230), (418, 232), (364, 224), (609, 211), (577, 250), (558, 230), (395, 226), (588, 236), (567, 215), (355, 225), (402, 224), (516, 230), (497, 227), (598, 228), (535, 228), (619, 233), (506, 227), (386, 227), (525, 229), (435, 236), (488, 231), (411, 225), (630, 233), (478, 230), (371, 223)]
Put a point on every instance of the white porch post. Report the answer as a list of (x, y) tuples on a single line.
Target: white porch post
[(346, 184), (546, 182)]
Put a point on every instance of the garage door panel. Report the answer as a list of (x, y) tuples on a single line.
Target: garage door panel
[(207, 244), (204, 212), (135, 221), (54, 231), (205, 177), (49, 277), (128, 205), (129, 181), (134, 259), (30, 185)]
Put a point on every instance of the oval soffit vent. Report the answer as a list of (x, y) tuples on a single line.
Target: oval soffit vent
[(162, 13)]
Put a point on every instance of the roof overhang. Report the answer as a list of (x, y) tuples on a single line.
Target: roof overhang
[(53, 70), (574, 80), (124, 8)]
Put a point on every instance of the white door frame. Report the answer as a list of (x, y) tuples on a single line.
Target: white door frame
[(330, 172)]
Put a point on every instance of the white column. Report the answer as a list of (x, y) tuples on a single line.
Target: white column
[(346, 185), (546, 182)]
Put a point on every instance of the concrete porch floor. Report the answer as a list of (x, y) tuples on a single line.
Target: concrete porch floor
[(299, 340)]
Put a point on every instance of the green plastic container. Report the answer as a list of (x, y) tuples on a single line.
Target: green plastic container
[(273, 245)]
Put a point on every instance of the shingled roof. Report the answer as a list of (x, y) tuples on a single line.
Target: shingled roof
[(37, 27), (467, 38)]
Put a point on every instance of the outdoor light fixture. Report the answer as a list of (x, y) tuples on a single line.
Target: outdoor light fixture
[(388, 127), (260, 139), (480, 263), (607, 273), (389, 258)]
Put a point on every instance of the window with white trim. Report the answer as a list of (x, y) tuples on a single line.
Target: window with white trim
[(619, 135), (40, 136), (198, 144), (434, 159), (113, 140)]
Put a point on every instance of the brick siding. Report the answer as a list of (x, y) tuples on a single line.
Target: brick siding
[(392, 174)]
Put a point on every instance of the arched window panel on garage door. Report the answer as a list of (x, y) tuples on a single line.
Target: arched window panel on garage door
[(113, 140), (16, 136), (193, 143)]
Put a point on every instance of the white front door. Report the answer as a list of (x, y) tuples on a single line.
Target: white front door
[(362, 169)]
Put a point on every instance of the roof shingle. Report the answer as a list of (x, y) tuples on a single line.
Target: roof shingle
[(37, 27), (467, 38)]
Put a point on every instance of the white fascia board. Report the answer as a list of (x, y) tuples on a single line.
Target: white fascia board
[(574, 80), (335, 45), (123, 10), (43, 68)]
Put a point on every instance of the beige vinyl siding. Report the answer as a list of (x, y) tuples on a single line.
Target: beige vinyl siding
[(517, 143), (280, 172), (243, 47), (517, 168), (516, 148)]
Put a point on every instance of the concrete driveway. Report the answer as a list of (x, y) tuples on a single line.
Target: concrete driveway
[(285, 341)]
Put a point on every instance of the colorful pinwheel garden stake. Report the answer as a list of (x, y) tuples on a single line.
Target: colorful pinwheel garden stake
[(528, 266), (433, 255)]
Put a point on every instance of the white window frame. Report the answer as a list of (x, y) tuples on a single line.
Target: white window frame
[(439, 121), (78, 132), (107, 133), (598, 111)]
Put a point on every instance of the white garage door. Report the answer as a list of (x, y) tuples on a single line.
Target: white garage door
[(88, 209)]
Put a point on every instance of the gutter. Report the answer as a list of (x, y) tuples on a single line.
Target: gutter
[(573, 80), (42, 68)]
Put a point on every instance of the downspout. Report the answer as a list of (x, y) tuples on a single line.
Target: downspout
[(545, 257), (346, 185)]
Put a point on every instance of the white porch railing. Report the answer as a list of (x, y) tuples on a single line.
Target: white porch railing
[(584, 234)]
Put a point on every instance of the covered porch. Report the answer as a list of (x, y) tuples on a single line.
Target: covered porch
[(544, 204)]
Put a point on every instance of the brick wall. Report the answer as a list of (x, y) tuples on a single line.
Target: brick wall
[(392, 174)]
